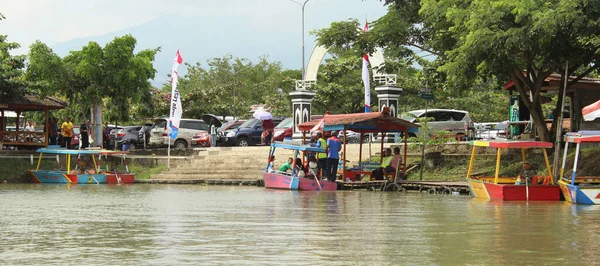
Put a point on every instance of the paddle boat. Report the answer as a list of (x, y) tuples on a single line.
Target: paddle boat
[(79, 175), (518, 188), (579, 189), (284, 180)]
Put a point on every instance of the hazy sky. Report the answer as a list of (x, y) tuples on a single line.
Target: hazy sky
[(55, 21)]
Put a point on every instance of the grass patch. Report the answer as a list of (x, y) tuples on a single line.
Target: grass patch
[(145, 172)]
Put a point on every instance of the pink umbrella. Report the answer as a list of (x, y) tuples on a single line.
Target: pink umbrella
[(591, 111)]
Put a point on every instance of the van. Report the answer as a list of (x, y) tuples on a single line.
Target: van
[(457, 122), (187, 129)]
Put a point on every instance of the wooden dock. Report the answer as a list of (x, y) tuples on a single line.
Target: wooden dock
[(431, 187)]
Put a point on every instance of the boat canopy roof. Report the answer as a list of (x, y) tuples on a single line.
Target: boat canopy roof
[(362, 122), (582, 138), (511, 144), (66, 151), (298, 147)]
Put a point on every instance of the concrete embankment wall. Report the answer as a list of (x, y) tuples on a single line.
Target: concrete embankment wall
[(248, 163)]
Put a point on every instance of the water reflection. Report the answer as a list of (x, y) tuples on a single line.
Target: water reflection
[(176, 224)]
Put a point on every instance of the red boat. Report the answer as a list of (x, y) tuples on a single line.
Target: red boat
[(522, 187)]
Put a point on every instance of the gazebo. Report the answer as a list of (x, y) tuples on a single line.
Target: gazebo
[(26, 103)]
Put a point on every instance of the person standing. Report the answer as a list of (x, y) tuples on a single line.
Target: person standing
[(106, 136), (53, 130), (268, 127), (67, 132), (85, 137), (321, 156), (213, 133), (29, 128), (334, 146)]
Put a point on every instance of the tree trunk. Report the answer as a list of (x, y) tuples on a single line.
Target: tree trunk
[(525, 85), (97, 123)]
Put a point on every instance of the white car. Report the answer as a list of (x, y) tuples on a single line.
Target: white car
[(457, 122), (493, 130)]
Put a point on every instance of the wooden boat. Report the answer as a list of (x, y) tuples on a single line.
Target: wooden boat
[(542, 188), (79, 175), (579, 189), (281, 180)]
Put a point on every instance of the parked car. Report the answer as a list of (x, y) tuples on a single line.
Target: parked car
[(352, 137), (204, 139), (455, 121), (187, 129), (493, 130), (128, 135), (284, 129), (144, 129), (248, 133)]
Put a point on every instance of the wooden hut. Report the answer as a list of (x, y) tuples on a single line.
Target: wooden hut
[(26, 103)]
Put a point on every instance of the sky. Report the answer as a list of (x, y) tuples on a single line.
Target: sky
[(60, 22)]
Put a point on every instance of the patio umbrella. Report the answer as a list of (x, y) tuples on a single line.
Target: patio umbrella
[(262, 115), (208, 117), (591, 111)]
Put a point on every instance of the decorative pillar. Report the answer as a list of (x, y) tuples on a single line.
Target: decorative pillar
[(387, 96), (301, 108)]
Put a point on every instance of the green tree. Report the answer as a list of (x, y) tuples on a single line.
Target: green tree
[(113, 77), (228, 86), (527, 40), (11, 69)]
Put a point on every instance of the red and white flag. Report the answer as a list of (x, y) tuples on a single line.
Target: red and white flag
[(366, 77), (591, 111), (176, 108)]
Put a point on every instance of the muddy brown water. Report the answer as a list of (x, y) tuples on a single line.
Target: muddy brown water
[(191, 224)]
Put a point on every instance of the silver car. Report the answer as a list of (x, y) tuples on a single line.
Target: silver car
[(457, 122), (187, 129)]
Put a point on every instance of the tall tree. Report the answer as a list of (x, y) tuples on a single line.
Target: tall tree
[(11, 69), (113, 77), (228, 86), (528, 40)]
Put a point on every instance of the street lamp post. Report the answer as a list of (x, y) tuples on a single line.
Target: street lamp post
[(302, 5)]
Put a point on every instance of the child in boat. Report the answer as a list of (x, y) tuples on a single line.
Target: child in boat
[(299, 168), (526, 174), (286, 166)]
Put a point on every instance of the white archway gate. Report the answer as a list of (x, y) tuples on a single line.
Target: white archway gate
[(387, 92)]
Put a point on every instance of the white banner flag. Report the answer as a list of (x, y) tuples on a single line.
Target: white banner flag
[(176, 109), (366, 77)]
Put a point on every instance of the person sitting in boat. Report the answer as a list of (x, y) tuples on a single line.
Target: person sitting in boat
[(299, 168), (286, 166), (385, 165), (271, 164), (526, 174)]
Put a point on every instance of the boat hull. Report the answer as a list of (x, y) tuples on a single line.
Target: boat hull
[(511, 192), (61, 177), (580, 194), (279, 181)]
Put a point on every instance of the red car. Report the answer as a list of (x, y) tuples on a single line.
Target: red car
[(203, 138), (283, 129)]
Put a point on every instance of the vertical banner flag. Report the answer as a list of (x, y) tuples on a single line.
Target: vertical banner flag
[(176, 109), (366, 78)]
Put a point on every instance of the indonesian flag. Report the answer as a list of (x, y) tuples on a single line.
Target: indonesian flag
[(176, 109), (591, 111), (366, 78)]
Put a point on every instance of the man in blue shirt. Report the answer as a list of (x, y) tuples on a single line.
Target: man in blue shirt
[(333, 158)]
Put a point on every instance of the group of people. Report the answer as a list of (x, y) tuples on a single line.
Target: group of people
[(325, 164), (389, 163), (62, 133)]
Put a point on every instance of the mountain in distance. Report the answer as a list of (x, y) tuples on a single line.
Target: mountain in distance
[(200, 38)]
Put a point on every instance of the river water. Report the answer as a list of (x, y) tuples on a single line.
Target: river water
[(191, 224)]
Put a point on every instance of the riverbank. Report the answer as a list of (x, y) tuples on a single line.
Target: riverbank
[(452, 165)]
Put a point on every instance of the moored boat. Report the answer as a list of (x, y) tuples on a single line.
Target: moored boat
[(579, 189), (66, 175), (518, 188), (291, 181)]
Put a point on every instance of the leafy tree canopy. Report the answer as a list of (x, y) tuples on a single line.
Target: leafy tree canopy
[(11, 68)]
